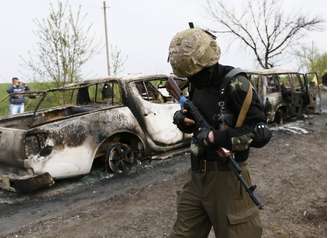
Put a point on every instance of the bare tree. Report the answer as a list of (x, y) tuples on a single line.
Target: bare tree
[(63, 45), (118, 60), (263, 27)]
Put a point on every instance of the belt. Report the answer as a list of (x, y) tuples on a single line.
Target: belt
[(221, 164), (202, 166)]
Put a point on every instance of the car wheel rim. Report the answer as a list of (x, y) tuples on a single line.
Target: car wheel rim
[(121, 158)]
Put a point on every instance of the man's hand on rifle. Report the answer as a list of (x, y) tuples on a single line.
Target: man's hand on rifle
[(205, 137), (181, 118), (184, 121)]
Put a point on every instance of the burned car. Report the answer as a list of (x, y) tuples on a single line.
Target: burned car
[(284, 93), (120, 120)]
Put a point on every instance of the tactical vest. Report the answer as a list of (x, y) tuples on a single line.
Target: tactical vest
[(211, 101)]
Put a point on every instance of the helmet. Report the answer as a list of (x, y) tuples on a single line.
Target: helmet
[(192, 50)]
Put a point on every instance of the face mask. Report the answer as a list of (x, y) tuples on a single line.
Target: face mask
[(203, 78)]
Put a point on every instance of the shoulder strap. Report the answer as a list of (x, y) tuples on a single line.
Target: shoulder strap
[(226, 80), (247, 101), (234, 72), (245, 107)]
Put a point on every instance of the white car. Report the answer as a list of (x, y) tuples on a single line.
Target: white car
[(120, 120)]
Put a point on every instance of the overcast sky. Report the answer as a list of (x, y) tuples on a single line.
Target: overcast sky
[(142, 29)]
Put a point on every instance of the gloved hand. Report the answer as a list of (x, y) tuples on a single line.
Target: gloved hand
[(178, 117), (184, 122), (202, 137), (262, 135)]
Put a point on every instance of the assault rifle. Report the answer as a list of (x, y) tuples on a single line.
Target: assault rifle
[(174, 90)]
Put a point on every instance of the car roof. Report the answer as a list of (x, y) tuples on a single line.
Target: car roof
[(272, 71), (80, 84), (127, 78)]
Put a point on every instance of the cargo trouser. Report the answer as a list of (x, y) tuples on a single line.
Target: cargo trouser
[(216, 198)]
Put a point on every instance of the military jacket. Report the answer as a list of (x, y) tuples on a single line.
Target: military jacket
[(204, 93)]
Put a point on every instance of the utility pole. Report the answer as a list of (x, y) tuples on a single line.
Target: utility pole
[(106, 37)]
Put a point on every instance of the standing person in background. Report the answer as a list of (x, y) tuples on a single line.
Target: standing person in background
[(16, 102)]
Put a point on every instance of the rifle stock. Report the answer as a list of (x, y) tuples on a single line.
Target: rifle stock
[(173, 88)]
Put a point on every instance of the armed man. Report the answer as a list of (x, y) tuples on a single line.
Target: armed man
[(214, 195)]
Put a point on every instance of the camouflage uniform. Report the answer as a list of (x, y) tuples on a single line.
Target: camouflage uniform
[(213, 196)]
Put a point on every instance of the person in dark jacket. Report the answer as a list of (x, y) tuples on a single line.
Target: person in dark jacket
[(16, 102), (213, 197)]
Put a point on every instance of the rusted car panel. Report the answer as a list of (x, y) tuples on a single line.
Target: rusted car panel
[(283, 93), (68, 147), (12, 146), (63, 141)]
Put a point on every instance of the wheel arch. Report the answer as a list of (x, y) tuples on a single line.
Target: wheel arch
[(280, 107), (123, 136)]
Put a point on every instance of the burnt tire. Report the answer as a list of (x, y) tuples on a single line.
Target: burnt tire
[(280, 116), (120, 158)]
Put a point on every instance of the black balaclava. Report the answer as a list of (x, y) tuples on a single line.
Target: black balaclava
[(205, 78)]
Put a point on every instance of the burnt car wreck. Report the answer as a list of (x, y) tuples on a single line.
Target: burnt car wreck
[(286, 94), (119, 120)]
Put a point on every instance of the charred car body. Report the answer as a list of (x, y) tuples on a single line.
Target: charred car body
[(123, 120), (284, 94)]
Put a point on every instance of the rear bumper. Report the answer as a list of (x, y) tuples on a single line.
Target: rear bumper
[(26, 184)]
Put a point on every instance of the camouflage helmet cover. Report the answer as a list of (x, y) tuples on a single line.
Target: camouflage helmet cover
[(192, 50)]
